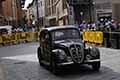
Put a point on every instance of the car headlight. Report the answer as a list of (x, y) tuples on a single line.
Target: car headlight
[(61, 54), (93, 52), (88, 57)]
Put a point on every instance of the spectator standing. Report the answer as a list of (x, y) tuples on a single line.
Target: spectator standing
[(113, 25), (93, 26)]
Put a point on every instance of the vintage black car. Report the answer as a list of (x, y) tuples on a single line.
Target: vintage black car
[(62, 45)]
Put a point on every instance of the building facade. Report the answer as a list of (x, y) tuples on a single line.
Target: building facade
[(29, 14), (63, 12), (41, 12), (115, 10), (1, 13), (1, 7), (11, 11), (50, 12), (103, 9), (36, 13), (83, 10)]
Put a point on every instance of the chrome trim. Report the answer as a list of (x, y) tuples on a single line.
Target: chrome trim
[(66, 63), (77, 53), (96, 60)]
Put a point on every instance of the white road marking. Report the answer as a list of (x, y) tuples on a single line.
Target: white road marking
[(28, 57)]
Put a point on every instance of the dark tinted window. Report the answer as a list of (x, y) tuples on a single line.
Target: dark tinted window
[(65, 34)]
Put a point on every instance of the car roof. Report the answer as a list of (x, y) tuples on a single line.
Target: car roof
[(60, 27)]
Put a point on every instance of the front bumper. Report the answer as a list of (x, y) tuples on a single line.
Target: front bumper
[(87, 61)]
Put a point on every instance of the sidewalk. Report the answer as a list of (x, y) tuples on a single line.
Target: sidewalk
[(2, 72)]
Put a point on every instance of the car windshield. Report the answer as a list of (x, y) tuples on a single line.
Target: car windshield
[(63, 34)]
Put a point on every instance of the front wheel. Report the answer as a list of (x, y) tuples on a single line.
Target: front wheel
[(96, 66), (54, 66)]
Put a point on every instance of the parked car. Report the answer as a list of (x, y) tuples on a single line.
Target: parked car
[(62, 45), (5, 29)]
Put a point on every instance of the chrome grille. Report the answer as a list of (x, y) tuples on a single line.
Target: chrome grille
[(76, 53)]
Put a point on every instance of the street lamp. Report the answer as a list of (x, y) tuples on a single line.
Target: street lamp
[(81, 16), (95, 13), (90, 9)]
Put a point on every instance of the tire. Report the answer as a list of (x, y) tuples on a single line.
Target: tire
[(96, 66), (53, 66), (39, 56)]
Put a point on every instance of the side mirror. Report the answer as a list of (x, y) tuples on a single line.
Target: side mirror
[(83, 43)]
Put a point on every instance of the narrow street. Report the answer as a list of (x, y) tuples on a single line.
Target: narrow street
[(20, 63), (56, 24)]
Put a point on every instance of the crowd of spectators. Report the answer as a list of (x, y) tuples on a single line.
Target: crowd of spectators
[(108, 25), (24, 28), (101, 25), (87, 26)]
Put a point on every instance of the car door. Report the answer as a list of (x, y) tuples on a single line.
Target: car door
[(45, 45)]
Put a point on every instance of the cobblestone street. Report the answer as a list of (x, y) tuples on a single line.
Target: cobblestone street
[(20, 63)]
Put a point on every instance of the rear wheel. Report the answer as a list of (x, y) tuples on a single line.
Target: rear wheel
[(39, 56), (96, 66)]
